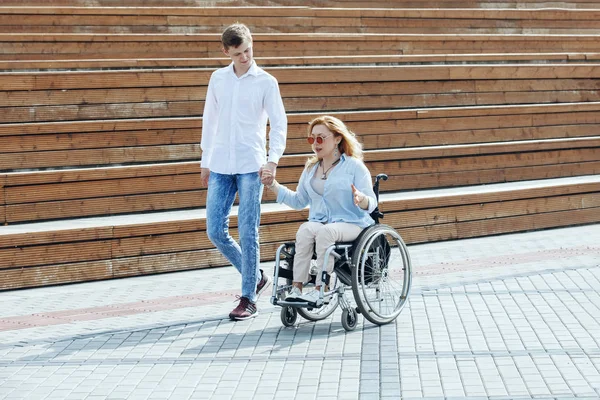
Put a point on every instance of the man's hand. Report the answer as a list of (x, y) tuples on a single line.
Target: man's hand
[(267, 173), (204, 175), (359, 198)]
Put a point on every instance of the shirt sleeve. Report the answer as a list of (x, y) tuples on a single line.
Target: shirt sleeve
[(209, 124), (278, 122), (364, 183), (298, 199)]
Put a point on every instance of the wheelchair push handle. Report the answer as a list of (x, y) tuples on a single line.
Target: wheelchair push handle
[(376, 185), (376, 214)]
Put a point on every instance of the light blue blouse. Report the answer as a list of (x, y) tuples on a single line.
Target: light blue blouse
[(337, 203)]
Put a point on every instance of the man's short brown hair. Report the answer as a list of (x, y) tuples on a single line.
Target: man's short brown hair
[(234, 35)]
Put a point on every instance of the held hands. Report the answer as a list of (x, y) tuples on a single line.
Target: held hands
[(360, 199), (267, 174)]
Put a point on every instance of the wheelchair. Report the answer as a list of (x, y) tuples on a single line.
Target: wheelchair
[(376, 267)]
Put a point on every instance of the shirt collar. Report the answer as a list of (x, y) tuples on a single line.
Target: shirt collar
[(253, 70)]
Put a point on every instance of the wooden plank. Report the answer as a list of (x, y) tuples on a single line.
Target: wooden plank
[(367, 128), (299, 60), (389, 141), (77, 207), (132, 230), (2, 200), (117, 94), (77, 80), (103, 140), (338, 38), (101, 156), (134, 266), (106, 188), (364, 121), (169, 262), (434, 199), (374, 102), (165, 243), (491, 175), (304, 11), (466, 93), (94, 112), (437, 179), (71, 178), (475, 163), (489, 4), (492, 210), (457, 215), (295, 25), (290, 19), (55, 274), (124, 203), (11, 258), (168, 108), (99, 174), (413, 156), (101, 126), (488, 78), (482, 149), (416, 202), (42, 234), (82, 46), (275, 235), (499, 226)]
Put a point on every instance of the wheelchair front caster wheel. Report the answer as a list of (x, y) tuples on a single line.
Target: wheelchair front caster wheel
[(349, 319), (289, 315)]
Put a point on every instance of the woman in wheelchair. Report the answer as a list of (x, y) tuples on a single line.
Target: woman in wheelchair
[(336, 184)]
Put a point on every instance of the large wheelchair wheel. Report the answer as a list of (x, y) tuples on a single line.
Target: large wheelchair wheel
[(317, 314), (381, 274)]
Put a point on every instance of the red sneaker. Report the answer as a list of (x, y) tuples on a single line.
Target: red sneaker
[(244, 310), (264, 283)]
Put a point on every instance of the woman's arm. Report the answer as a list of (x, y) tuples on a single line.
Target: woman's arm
[(362, 189), (298, 199)]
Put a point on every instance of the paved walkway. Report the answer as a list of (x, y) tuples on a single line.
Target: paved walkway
[(505, 317)]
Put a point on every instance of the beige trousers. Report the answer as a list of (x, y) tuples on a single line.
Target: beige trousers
[(318, 236)]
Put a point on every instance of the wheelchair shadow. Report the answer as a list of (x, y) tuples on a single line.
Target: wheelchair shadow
[(266, 341)]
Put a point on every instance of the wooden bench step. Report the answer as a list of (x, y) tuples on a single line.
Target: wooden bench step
[(31, 196), (104, 143), (32, 46), (91, 95), (502, 58), (187, 20), (109, 247), (487, 4)]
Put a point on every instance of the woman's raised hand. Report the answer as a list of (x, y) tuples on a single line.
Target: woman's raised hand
[(359, 198)]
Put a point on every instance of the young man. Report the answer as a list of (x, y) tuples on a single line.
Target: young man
[(240, 99)]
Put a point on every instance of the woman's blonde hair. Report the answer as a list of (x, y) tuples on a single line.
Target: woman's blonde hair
[(349, 145)]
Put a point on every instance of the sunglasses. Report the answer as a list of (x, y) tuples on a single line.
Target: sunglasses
[(318, 139)]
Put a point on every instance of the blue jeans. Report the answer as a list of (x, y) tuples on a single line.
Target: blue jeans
[(244, 256)]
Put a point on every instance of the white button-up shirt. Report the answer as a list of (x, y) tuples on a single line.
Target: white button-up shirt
[(234, 123)]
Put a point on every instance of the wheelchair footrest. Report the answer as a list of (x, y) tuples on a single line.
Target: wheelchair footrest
[(298, 304)]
